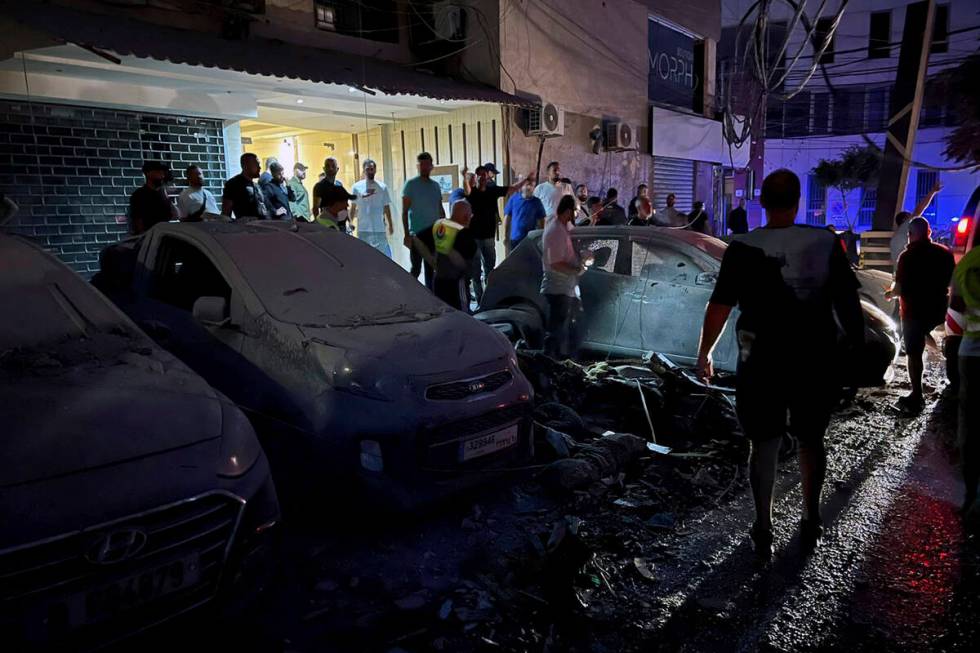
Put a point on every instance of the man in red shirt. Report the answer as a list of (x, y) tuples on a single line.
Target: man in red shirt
[(922, 280)]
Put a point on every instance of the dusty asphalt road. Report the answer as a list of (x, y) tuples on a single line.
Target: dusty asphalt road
[(896, 572)]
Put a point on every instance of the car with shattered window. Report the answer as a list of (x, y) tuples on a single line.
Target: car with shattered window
[(130, 490), (646, 292), (347, 366)]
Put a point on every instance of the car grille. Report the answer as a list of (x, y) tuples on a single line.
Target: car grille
[(458, 390), (441, 445), (37, 580)]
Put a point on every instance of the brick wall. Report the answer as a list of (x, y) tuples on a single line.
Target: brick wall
[(71, 170)]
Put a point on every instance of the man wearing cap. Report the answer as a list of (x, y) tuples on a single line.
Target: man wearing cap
[(371, 211), (333, 212), (299, 206), (485, 224), (149, 203)]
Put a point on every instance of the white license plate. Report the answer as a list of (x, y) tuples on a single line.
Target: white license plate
[(490, 443), (105, 602)]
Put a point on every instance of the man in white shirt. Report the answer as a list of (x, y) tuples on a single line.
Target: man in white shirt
[(551, 191), (561, 268), (371, 209), (195, 200)]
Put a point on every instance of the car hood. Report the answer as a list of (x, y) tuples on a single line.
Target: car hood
[(445, 342), (97, 402)]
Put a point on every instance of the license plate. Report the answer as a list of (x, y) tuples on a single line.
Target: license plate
[(133, 591), (490, 443)]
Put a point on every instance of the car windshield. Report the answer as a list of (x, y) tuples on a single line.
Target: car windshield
[(324, 278)]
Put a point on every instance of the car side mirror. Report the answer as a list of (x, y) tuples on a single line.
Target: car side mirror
[(706, 279), (211, 311)]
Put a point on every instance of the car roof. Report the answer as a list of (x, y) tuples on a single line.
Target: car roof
[(710, 245)]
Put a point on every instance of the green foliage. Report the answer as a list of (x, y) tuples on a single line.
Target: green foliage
[(959, 89), (857, 167)]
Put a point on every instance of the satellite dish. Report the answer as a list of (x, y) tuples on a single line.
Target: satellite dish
[(549, 116)]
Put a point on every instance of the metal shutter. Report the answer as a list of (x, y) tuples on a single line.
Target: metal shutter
[(673, 176)]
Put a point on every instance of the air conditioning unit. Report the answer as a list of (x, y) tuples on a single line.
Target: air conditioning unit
[(621, 136), (546, 120)]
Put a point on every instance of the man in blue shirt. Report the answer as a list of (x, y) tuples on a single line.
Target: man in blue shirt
[(421, 207), (523, 213)]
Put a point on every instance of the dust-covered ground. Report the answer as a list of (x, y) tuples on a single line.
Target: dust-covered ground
[(654, 556)]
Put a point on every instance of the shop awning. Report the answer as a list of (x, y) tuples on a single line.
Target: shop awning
[(259, 56)]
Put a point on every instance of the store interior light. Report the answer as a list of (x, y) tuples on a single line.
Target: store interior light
[(299, 100)]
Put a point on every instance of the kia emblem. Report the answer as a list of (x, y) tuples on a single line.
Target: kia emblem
[(116, 546)]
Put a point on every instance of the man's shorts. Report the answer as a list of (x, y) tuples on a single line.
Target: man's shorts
[(769, 403), (914, 333)]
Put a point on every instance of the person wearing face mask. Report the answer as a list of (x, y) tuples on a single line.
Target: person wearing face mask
[(149, 204), (330, 170), (523, 213), (551, 190), (334, 208)]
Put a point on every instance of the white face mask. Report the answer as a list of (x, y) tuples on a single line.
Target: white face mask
[(342, 215)]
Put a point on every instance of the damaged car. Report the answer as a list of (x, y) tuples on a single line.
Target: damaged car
[(130, 490), (645, 292), (345, 364)]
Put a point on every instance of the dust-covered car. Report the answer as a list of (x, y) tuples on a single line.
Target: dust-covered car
[(346, 365), (130, 490), (646, 292)]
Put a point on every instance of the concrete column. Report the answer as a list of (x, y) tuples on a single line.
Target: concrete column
[(232, 132)]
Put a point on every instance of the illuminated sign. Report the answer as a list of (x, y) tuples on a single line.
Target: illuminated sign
[(674, 77)]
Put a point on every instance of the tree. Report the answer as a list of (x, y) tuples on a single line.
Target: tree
[(857, 167), (958, 87)]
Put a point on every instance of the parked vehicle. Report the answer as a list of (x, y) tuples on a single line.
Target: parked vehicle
[(962, 240), (341, 359), (130, 490), (646, 291)]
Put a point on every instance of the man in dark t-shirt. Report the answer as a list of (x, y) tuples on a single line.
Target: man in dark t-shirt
[(738, 219), (922, 280), (788, 281), (241, 195), (149, 204), (485, 223)]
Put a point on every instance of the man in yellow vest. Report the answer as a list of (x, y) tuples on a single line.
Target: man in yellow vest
[(966, 299), (333, 207), (455, 248)]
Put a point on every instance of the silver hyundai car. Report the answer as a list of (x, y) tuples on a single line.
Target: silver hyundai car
[(346, 365), (130, 490)]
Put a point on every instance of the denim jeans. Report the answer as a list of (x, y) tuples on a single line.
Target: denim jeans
[(486, 257), (560, 339), (376, 239)]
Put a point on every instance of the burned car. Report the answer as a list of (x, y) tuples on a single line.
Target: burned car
[(130, 490), (345, 363), (646, 292)]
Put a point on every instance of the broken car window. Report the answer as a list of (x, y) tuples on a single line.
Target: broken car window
[(184, 274), (656, 262), (603, 249)]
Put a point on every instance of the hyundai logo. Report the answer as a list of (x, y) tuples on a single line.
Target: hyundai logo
[(116, 546), (476, 386)]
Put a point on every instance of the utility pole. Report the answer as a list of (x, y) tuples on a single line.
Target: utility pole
[(906, 103)]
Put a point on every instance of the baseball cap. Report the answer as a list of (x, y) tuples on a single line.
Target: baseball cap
[(492, 169), (333, 194), (300, 166)]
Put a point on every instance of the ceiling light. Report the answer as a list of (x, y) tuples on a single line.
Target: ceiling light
[(351, 89), (299, 100)]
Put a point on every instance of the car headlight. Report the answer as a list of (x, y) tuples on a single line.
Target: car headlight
[(344, 375), (239, 446)]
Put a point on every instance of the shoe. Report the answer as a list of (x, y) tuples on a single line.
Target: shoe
[(761, 542), (911, 404), (811, 534)]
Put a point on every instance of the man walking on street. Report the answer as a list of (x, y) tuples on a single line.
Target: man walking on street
[(523, 213), (921, 283), (966, 299), (562, 266), (485, 225), (371, 211), (277, 194), (195, 200), (550, 191), (788, 281), (299, 206), (149, 204), (738, 219), (421, 207), (241, 196)]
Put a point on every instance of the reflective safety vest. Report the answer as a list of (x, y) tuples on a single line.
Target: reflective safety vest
[(444, 234), (967, 276), (326, 221)]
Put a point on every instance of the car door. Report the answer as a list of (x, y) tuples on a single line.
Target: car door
[(671, 287), (601, 287)]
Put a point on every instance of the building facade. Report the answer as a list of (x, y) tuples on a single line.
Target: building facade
[(850, 106)]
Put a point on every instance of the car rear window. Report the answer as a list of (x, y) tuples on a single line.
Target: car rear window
[(324, 278)]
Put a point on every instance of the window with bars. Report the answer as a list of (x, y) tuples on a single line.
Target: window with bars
[(376, 21), (816, 202), (876, 105), (869, 201), (924, 181)]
